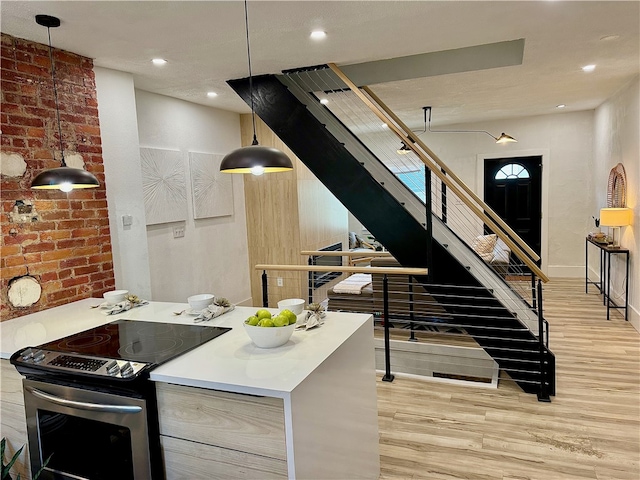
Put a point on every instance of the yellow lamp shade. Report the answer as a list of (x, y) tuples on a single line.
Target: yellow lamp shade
[(615, 217)]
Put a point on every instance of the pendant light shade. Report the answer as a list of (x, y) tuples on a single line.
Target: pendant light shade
[(63, 178), (254, 159), (504, 138), (257, 160)]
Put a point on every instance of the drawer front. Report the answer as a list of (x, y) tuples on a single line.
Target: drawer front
[(192, 461), (10, 383), (239, 422)]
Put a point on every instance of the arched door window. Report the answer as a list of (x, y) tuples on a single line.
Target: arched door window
[(512, 170)]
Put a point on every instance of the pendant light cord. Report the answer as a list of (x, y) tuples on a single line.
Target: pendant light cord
[(253, 113), (55, 95)]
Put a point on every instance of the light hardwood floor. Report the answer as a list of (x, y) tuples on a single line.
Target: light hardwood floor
[(590, 430)]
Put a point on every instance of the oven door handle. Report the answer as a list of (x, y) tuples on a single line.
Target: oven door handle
[(95, 407)]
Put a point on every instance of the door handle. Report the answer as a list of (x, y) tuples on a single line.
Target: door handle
[(95, 407)]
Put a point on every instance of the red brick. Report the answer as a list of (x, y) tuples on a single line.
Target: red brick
[(25, 239), (83, 232), (39, 247), (7, 250), (54, 235), (71, 243), (13, 130), (12, 272), (74, 262), (70, 282), (33, 258), (54, 214), (86, 251), (65, 273), (59, 254), (61, 295), (49, 276), (43, 267)]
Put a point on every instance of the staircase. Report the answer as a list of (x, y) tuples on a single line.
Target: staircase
[(475, 297)]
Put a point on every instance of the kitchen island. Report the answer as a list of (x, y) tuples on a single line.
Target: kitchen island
[(228, 409)]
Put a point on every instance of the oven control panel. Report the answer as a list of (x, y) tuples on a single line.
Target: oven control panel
[(71, 362)]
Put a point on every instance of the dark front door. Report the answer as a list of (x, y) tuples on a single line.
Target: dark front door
[(513, 189)]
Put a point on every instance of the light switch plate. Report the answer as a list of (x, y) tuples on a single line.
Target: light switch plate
[(127, 220), (178, 232)]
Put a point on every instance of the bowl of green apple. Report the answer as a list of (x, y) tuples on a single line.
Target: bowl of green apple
[(269, 331)]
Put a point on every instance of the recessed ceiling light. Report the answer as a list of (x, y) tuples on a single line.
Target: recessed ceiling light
[(324, 101), (159, 61), (607, 38), (318, 34), (588, 68), (562, 105), (384, 125), (212, 94)]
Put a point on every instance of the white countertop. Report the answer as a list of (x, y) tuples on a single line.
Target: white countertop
[(230, 362)]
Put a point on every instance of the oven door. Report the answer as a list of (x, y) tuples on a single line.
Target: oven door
[(86, 434)]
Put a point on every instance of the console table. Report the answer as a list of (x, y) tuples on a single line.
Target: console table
[(604, 283)]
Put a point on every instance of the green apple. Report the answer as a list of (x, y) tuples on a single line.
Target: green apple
[(263, 313), (292, 317), (280, 320), (252, 320), (265, 322)]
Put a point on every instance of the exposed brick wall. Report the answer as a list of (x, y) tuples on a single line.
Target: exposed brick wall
[(68, 248)]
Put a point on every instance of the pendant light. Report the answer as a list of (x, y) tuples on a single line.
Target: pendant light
[(503, 138), (254, 159), (62, 178)]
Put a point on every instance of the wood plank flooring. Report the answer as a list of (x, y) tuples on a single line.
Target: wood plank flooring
[(590, 430)]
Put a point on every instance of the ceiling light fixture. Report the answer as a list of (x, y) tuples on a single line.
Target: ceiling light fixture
[(324, 101), (159, 61), (588, 68), (61, 178), (562, 105), (212, 94), (318, 34), (503, 138), (254, 159)]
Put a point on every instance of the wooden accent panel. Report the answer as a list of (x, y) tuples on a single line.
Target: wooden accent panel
[(286, 213), (193, 461), (239, 422)]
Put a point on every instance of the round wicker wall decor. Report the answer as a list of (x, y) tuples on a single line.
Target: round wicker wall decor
[(617, 187)]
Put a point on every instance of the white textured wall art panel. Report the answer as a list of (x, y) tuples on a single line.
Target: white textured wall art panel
[(212, 191), (163, 186)]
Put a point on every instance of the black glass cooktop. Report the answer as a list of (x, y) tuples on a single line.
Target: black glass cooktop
[(120, 350), (133, 340)]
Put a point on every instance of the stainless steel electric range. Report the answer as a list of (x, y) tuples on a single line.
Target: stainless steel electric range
[(90, 407)]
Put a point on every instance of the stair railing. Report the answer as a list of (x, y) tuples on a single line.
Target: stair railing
[(385, 271), (448, 178)]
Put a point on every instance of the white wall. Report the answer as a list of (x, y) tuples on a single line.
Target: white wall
[(565, 142), (212, 257), (617, 140), (121, 155)]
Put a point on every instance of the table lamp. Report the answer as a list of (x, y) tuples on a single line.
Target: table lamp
[(615, 218)]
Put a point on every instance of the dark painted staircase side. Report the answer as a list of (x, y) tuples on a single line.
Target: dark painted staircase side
[(390, 223)]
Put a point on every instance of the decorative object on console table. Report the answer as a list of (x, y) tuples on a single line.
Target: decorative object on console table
[(615, 218)]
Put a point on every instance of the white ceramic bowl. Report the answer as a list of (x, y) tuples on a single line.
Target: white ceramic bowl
[(296, 305), (269, 337), (200, 301), (115, 296)]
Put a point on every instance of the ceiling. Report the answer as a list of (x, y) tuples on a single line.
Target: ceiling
[(204, 44)]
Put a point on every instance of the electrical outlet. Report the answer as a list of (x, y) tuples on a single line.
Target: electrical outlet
[(280, 281), (178, 232)]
